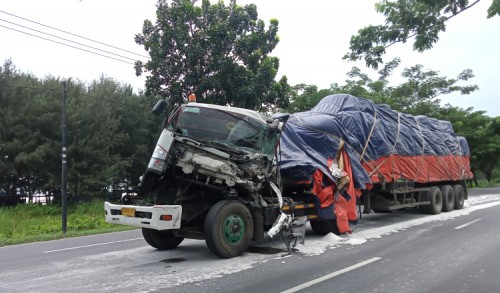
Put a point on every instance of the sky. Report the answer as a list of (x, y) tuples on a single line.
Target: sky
[(314, 36)]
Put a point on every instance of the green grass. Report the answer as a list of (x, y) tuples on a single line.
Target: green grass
[(31, 222), (483, 183)]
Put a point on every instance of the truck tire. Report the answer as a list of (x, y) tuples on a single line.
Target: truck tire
[(459, 196), (323, 227), (423, 208), (436, 198), (228, 228), (163, 240), (448, 198)]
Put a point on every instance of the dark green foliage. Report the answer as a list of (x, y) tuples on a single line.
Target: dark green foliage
[(422, 20), (110, 133), (220, 52), (30, 135)]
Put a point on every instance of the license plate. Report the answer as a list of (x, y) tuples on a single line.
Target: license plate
[(128, 212)]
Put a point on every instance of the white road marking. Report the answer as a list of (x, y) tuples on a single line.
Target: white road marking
[(331, 275), (90, 245), (467, 224)]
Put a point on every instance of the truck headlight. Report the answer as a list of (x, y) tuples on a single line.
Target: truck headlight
[(160, 153), (157, 162)]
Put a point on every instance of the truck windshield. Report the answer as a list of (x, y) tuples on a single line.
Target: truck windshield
[(225, 128)]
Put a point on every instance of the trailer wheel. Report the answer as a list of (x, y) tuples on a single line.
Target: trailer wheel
[(448, 198), (163, 240), (459, 196), (423, 208), (323, 227), (436, 198), (228, 228)]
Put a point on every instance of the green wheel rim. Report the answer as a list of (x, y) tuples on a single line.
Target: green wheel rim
[(233, 229)]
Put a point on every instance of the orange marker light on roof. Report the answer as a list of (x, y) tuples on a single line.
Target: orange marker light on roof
[(192, 98)]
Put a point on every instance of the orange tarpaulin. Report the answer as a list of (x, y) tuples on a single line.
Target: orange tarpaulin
[(328, 194)]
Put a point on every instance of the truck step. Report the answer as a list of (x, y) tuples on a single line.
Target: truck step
[(298, 206)]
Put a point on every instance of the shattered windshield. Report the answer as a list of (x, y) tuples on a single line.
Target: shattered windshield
[(224, 128)]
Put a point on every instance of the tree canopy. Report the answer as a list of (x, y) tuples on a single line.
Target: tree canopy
[(422, 19), (219, 52), (110, 133)]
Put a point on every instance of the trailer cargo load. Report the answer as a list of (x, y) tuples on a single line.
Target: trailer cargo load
[(382, 146)]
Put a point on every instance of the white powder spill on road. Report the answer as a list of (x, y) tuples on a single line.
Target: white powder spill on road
[(144, 268), (316, 247)]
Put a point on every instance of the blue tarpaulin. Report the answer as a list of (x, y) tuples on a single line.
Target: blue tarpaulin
[(380, 142)]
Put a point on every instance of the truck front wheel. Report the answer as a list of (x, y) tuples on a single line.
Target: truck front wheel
[(228, 228), (162, 240)]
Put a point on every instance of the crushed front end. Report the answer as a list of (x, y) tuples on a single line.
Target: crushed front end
[(205, 154)]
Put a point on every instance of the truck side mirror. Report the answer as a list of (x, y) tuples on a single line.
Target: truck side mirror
[(159, 108), (282, 117)]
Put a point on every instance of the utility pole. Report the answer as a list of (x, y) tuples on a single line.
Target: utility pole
[(64, 173)]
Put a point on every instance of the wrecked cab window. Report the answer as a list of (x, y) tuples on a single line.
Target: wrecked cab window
[(230, 129)]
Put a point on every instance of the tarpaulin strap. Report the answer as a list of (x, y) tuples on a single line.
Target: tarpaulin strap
[(423, 146), (369, 136), (393, 149), (298, 120), (394, 146)]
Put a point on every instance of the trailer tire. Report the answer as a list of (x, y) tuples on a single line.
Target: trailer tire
[(448, 198), (423, 208), (459, 196), (435, 196), (163, 240), (228, 228), (323, 227)]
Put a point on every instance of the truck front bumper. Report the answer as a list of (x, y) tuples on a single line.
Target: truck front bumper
[(159, 217)]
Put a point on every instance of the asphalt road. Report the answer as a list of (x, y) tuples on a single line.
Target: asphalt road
[(396, 252)]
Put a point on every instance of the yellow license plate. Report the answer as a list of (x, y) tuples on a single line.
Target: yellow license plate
[(128, 212)]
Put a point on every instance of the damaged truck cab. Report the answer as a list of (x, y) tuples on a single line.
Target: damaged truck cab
[(213, 175)]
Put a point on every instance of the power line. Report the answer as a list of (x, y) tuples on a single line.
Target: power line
[(67, 40), (63, 31), (60, 43)]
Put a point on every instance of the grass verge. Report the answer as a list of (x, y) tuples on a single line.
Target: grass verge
[(31, 222)]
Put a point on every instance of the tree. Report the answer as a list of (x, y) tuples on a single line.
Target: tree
[(422, 19), (28, 136), (110, 133), (305, 97), (219, 52), (487, 155), (418, 94), (482, 134)]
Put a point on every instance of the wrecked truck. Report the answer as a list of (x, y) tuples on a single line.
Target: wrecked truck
[(213, 175), (231, 176)]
